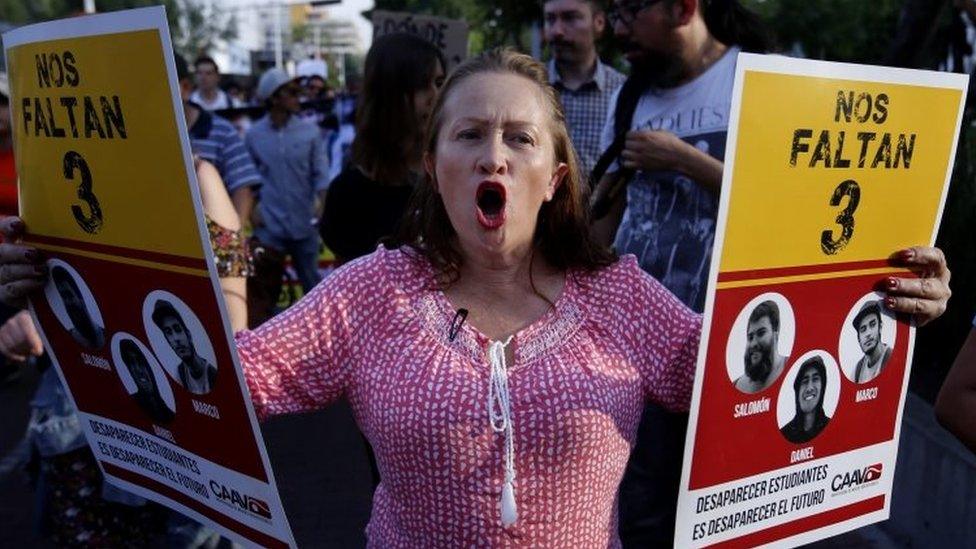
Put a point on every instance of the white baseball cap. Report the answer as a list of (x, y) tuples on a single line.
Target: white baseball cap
[(312, 67), (270, 81)]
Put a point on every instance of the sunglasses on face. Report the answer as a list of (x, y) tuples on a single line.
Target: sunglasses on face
[(626, 12)]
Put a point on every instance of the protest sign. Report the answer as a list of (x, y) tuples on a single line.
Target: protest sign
[(449, 35), (132, 316), (802, 370)]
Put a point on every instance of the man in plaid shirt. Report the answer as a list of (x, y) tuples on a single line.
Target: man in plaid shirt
[(585, 85)]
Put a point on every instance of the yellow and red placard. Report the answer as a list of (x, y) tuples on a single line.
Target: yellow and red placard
[(132, 316), (802, 373)]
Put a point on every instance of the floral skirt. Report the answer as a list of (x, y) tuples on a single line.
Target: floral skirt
[(75, 515)]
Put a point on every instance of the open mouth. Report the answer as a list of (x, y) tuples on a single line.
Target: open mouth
[(490, 200)]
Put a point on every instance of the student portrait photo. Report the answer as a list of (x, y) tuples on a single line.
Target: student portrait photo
[(181, 343), (143, 378), (867, 339), (760, 343), (808, 397), (74, 305)]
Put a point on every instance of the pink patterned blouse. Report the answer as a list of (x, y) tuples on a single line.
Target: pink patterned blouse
[(377, 334)]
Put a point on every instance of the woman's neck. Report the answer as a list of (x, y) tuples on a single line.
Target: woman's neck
[(505, 293), (501, 272)]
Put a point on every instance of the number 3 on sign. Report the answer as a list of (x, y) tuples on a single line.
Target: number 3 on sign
[(91, 223), (845, 218)]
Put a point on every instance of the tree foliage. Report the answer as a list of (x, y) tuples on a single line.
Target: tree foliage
[(195, 25), (198, 25), (843, 30)]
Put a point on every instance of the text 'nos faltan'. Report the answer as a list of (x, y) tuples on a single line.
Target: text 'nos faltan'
[(74, 116)]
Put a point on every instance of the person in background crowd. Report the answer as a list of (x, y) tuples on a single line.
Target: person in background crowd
[(340, 143), (366, 202), (290, 155), (579, 338), (313, 74), (236, 94), (216, 141), (8, 172), (74, 506), (316, 108), (666, 139), (955, 407), (584, 83), (208, 93), (9, 372), (316, 88)]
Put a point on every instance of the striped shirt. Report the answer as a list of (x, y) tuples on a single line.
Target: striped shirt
[(586, 110), (216, 140)]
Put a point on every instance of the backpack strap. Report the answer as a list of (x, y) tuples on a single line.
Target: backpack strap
[(623, 114)]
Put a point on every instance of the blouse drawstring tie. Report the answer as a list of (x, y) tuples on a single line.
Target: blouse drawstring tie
[(500, 417)]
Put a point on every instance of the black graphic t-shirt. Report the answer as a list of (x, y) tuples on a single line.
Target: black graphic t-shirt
[(669, 223)]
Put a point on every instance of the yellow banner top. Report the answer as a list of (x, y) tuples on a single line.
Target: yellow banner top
[(833, 171), (98, 150)]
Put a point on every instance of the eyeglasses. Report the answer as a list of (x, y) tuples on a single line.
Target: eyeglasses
[(626, 12)]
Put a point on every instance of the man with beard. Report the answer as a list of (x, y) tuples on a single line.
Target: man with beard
[(763, 363), (585, 85), (664, 143), (809, 386), (195, 373), (84, 329), (147, 393), (867, 323)]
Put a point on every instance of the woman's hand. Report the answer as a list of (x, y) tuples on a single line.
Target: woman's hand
[(19, 339), (924, 297), (22, 268)]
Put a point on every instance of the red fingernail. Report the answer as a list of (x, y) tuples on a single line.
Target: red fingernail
[(891, 283), (890, 303), (908, 254)]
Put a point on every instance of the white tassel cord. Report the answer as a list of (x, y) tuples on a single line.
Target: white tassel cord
[(500, 416)]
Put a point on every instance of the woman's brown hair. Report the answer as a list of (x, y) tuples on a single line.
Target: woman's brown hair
[(562, 233), (397, 66)]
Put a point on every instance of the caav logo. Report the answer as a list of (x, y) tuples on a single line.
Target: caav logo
[(243, 502), (856, 477)]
